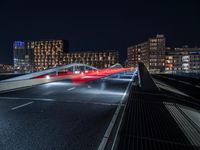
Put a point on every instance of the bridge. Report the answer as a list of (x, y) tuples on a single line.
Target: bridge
[(78, 106)]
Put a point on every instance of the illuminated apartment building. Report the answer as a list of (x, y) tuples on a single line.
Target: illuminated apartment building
[(151, 53), (48, 54), (169, 60), (31, 56), (102, 59), (6, 68), (156, 48), (134, 55), (183, 59)]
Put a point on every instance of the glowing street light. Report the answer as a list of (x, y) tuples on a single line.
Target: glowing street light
[(48, 77)]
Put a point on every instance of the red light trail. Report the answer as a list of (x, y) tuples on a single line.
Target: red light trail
[(86, 76)]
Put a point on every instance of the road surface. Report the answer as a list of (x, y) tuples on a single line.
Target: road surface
[(59, 115)]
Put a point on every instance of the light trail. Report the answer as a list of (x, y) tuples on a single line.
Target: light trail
[(88, 75)]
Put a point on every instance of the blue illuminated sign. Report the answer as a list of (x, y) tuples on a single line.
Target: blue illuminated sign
[(19, 43)]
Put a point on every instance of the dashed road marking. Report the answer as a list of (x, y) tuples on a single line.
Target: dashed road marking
[(25, 98), (70, 89), (14, 108)]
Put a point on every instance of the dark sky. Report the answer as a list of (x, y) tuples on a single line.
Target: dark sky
[(98, 24)]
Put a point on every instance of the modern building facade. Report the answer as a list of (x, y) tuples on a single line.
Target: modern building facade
[(159, 58), (134, 55), (47, 54), (100, 59), (23, 59), (157, 53), (151, 53), (30, 56), (183, 59), (6, 68)]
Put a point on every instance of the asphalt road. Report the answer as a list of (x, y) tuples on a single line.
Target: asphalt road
[(58, 115)]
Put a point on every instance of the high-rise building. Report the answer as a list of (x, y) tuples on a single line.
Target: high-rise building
[(23, 58), (151, 53), (31, 56)]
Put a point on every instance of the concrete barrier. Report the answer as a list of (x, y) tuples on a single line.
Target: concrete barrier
[(11, 85)]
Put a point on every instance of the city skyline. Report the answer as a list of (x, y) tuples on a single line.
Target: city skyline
[(98, 25), (38, 55), (100, 75)]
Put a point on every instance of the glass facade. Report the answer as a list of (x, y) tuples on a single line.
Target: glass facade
[(23, 58)]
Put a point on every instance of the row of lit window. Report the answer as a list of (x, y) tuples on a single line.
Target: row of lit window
[(47, 53), (88, 55), (47, 49), (156, 64), (45, 42)]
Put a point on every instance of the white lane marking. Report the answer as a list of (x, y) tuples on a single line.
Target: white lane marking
[(187, 126), (36, 99), (197, 86), (92, 103), (22, 105), (169, 88), (85, 77), (184, 82), (113, 120), (106, 104), (48, 93), (70, 89), (118, 79)]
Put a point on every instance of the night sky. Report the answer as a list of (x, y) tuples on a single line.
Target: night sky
[(97, 25)]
